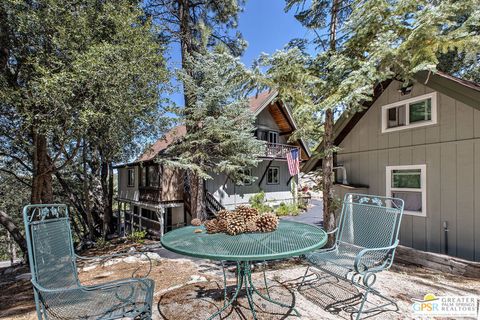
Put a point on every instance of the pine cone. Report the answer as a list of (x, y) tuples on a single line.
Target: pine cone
[(249, 214), (235, 224), (196, 222), (223, 216), (267, 222), (251, 226), (212, 226)]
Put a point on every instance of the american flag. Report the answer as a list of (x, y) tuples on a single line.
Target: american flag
[(293, 160)]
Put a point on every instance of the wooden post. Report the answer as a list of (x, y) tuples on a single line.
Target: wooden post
[(162, 221)]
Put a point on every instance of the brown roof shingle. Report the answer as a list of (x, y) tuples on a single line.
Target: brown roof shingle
[(162, 143)]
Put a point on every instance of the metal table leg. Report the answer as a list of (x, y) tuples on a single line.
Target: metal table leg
[(244, 276)]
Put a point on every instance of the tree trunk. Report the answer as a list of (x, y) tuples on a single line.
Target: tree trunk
[(86, 195), (328, 213), (42, 190), (15, 232), (197, 201), (107, 196), (197, 197), (328, 210)]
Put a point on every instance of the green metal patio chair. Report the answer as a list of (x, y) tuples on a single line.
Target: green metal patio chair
[(365, 243), (57, 290)]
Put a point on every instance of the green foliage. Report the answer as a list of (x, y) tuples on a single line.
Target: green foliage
[(379, 40), (78, 72), (137, 236), (259, 202), (219, 123), (290, 209)]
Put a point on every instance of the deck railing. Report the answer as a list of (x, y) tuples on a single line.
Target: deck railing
[(278, 150)]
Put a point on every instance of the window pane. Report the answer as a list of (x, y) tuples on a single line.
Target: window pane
[(413, 200), (143, 176), (421, 111), (406, 178), (153, 176), (396, 117)]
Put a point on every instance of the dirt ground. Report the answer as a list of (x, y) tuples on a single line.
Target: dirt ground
[(186, 289)]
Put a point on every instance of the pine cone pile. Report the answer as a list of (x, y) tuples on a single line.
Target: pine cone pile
[(250, 215), (243, 219), (212, 226), (267, 222)]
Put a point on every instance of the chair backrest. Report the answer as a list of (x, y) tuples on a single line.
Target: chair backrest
[(50, 246), (369, 221)]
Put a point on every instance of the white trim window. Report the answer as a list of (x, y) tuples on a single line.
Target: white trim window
[(410, 184), (273, 175), (411, 113), (131, 177)]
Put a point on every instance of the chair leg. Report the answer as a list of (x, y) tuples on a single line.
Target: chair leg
[(369, 290), (304, 276)]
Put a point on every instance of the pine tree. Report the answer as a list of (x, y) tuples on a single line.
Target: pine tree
[(222, 140), (365, 43), (184, 22)]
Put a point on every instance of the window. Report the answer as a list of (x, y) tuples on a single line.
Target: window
[(410, 113), (272, 137), (131, 177), (408, 183), (153, 177), (273, 175)]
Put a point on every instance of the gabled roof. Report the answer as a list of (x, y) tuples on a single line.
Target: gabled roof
[(257, 104), (465, 91)]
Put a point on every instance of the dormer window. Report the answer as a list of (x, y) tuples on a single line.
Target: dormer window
[(411, 113)]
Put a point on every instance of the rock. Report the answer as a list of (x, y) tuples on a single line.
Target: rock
[(197, 278), (89, 268), (152, 255), (131, 259), (111, 262), (132, 249)]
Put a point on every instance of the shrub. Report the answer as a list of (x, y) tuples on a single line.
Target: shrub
[(258, 202), (137, 236), (284, 209)]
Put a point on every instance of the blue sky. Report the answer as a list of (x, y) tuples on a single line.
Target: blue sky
[(265, 26)]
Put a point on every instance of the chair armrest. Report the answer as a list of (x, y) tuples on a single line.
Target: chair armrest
[(377, 263), (117, 255)]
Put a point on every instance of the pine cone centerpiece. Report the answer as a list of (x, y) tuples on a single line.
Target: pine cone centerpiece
[(235, 224), (267, 222), (212, 226)]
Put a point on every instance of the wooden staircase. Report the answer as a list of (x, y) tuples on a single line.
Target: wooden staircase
[(212, 204)]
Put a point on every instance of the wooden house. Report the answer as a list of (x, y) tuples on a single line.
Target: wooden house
[(421, 144), (156, 197)]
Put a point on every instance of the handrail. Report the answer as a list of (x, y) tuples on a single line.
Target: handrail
[(212, 203)]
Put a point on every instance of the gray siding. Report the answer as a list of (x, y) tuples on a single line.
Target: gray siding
[(451, 151), (230, 194)]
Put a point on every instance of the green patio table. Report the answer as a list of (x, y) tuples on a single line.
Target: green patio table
[(289, 240)]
